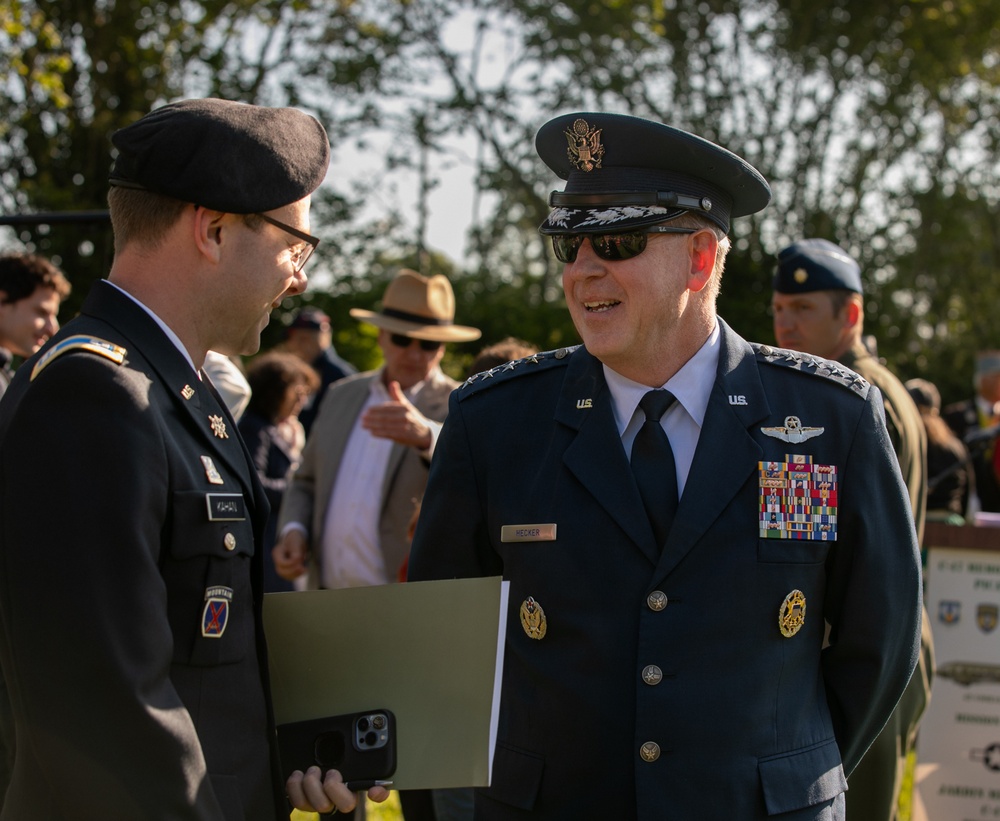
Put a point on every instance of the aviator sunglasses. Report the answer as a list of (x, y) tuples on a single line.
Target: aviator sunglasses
[(611, 247), (403, 341)]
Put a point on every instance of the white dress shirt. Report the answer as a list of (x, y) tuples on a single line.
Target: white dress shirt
[(352, 553)]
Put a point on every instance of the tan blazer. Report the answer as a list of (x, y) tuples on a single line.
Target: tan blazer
[(309, 491)]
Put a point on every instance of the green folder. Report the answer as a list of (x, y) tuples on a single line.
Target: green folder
[(431, 652)]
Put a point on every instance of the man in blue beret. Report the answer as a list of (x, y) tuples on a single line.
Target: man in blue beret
[(132, 516), (818, 308), (682, 516)]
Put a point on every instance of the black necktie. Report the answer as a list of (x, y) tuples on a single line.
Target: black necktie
[(653, 465)]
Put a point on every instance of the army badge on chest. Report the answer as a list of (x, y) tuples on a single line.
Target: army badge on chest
[(215, 616)]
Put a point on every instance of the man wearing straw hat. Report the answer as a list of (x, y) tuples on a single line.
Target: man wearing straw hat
[(377, 431)]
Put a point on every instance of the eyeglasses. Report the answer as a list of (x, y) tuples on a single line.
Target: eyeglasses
[(403, 341), (302, 252), (611, 247)]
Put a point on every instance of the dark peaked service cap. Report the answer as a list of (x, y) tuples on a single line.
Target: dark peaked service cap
[(816, 265), (625, 172), (224, 155)]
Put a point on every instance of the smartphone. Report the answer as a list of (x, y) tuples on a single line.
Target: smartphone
[(362, 746)]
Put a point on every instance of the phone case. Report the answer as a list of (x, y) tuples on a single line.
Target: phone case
[(362, 746)]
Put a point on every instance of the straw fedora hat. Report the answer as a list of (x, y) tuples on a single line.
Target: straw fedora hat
[(420, 307)]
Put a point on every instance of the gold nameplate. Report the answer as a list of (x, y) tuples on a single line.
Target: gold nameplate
[(528, 533)]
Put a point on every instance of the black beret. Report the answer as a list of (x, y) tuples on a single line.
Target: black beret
[(224, 155), (624, 172), (816, 265)]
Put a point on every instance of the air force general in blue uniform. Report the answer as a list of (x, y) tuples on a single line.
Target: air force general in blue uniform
[(739, 668)]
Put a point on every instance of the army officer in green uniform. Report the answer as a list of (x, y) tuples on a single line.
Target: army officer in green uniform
[(818, 307)]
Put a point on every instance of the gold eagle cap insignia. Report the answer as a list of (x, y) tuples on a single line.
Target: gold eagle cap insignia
[(792, 431), (585, 150)]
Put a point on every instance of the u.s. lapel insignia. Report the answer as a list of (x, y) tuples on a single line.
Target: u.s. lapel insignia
[(533, 619), (213, 476), (215, 616), (218, 427), (792, 431), (187, 391), (583, 404), (585, 150), (792, 614)]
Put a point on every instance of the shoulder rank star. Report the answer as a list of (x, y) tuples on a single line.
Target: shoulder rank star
[(218, 427), (792, 431)]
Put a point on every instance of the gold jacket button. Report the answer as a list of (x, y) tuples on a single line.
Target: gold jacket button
[(656, 600), (652, 675), (229, 541), (650, 751)]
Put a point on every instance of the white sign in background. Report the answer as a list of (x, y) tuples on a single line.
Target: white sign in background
[(958, 749)]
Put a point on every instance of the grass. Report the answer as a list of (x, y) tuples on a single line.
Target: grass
[(389, 810)]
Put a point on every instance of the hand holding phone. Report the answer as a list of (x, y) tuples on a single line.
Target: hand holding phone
[(361, 746)]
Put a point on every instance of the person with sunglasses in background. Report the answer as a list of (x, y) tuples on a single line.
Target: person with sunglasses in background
[(714, 574), (346, 513)]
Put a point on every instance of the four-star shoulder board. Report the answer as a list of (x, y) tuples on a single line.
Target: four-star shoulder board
[(516, 367), (812, 365), (92, 344)]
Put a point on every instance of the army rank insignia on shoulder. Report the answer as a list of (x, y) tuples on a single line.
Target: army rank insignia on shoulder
[(798, 500), (91, 344)]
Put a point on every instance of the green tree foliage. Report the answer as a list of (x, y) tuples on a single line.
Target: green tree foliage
[(876, 123)]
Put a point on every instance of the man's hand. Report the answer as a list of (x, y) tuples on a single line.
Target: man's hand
[(312, 792), (398, 420), (289, 555)]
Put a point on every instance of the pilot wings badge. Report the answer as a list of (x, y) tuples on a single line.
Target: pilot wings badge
[(792, 431)]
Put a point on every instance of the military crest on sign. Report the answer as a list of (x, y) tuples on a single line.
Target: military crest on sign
[(987, 617), (949, 611)]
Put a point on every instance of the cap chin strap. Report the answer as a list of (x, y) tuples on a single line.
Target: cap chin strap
[(667, 199)]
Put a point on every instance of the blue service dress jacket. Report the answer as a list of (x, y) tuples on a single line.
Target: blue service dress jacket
[(130, 584), (691, 682)]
